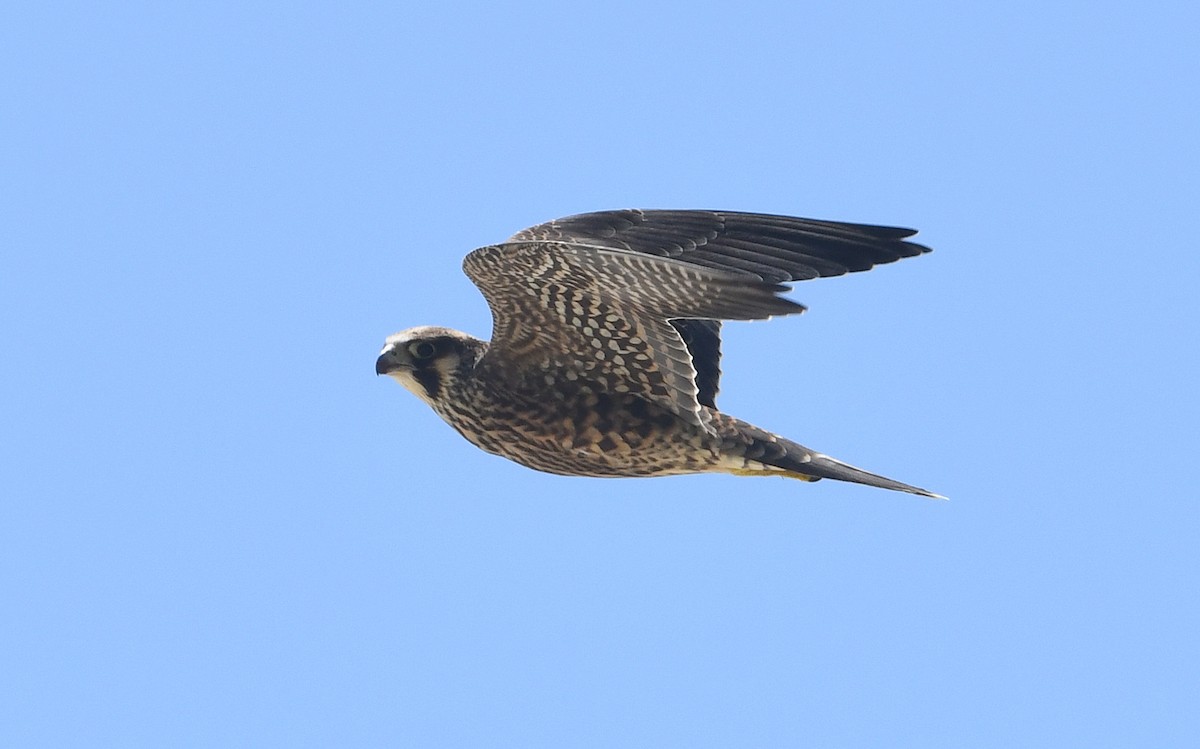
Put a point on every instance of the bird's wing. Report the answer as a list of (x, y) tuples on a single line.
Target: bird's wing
[(703, 341), (602, 316), (775, 249)]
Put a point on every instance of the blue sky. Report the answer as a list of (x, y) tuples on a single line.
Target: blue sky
[(219, 528)]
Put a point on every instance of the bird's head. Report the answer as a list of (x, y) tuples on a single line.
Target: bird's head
[(429, 360)]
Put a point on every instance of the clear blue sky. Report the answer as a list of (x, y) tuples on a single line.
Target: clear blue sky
[(219, 528)]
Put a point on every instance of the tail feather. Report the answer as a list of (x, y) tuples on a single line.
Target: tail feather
[(823, 466), (758, 446)]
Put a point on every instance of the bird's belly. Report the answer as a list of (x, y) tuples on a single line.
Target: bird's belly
[(595, 435)]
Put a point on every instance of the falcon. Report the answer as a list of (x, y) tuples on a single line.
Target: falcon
[(606, 341)]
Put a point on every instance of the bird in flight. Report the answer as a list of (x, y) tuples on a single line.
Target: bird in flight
[(605, 350)]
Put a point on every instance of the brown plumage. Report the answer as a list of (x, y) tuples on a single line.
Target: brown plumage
[(605, 350)]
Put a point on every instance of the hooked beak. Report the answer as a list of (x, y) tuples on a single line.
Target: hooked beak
[(389, 361)]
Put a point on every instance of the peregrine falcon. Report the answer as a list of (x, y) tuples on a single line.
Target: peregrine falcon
[(605, 350)]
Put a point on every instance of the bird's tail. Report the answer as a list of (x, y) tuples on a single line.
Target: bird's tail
[(796, 461), (819, 466)]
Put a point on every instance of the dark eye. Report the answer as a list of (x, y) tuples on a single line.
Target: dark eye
[(422, 349)]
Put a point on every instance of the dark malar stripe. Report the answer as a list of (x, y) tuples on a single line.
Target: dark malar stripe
[(430, 379)]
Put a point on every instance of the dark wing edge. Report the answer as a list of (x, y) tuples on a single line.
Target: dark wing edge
[(703, 341), (776, 249)]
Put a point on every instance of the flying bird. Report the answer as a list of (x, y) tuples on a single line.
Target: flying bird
[(606, 341)]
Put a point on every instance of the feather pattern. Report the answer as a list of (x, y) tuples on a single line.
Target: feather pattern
[(603, 316), (772, 249)]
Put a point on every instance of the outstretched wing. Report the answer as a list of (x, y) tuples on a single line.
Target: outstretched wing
[(602, 316), (773, 249)]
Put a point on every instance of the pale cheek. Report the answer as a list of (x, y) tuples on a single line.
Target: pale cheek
[(410, 384)]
